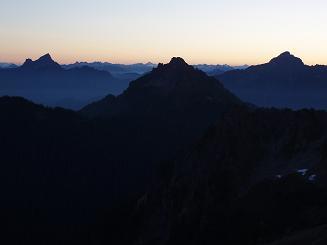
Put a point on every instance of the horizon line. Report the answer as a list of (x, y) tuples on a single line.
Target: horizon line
[(154, 63)]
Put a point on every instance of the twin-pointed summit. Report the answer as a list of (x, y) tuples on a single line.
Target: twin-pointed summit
[(43, 63)]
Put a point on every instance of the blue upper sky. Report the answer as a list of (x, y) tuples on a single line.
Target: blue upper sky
[(206, 31)]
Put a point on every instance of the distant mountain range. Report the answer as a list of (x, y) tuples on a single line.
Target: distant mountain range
[(75, 85), (138, 69), (45, 81), (7, 65), (115, 69), (283, 82), (119, 71), (212, 70)]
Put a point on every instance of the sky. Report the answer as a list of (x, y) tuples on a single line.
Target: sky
[(231, 32)]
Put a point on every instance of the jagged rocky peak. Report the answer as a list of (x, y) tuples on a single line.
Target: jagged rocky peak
[(176, 63), (287, 58), (28, 61), (44, 62), (47, 57), (177, 77), (168, 76)]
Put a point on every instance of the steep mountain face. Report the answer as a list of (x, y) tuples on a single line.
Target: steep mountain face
[(284, 82), (44, 81), (174, 96), (161, 114), (253, 178)]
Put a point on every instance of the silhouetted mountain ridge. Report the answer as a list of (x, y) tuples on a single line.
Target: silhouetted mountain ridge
[(176, 85), (45, 81), (286, 60), (162, 113), (284, 82), (43, 63), (175, 159)]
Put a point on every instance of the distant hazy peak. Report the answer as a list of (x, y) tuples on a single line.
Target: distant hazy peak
[(286, 58), (44, 62)]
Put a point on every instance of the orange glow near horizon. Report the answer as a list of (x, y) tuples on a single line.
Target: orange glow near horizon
[(233, 32), (230, 59)]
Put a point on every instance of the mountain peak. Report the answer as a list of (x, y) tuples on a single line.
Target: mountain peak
[(44, 62), (287, 59), (177, 65), (177, 60), (169, 88), (46, 57), (286, 53)]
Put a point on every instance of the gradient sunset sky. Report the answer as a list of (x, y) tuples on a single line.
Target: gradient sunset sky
[(128, 31)]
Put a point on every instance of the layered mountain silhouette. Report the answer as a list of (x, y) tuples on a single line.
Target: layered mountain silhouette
[(121, 71), (284, 82), (42, 64), (173, 88), (120, 143), (161, 114), (76, 168), (45, 81), (212, 70), (139, 69), (175, 159)]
